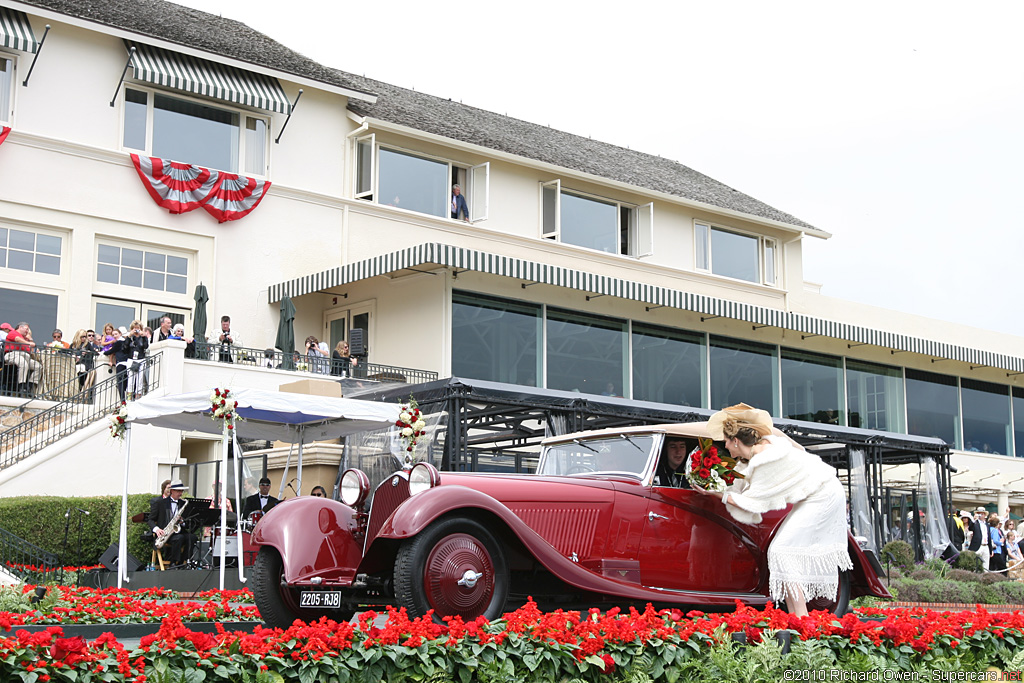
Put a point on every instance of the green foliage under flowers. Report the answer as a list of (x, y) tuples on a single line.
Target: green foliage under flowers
[(969, 561), (40, 521), (15, 599), (901, 551)]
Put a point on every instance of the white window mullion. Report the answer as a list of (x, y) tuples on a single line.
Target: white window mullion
[(551, 209), (366, 167), (479, 181)]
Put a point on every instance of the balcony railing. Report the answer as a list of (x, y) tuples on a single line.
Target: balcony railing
[(277, 360)]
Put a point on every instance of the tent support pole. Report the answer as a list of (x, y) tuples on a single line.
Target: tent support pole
[(122, 544), (223, 508), (238, 504), (302, 437), (284, 477)]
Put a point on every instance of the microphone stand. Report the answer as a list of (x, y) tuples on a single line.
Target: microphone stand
[(64, 546)]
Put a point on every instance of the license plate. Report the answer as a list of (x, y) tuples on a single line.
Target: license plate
[(320, 599)]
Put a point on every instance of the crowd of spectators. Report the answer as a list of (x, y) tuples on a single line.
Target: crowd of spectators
[(122, 352), (994, 538)]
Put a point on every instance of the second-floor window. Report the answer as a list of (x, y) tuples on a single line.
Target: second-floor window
[(143, 268), (417, 182), (35, 252), (595, 222), (735, 254), (194, 132)]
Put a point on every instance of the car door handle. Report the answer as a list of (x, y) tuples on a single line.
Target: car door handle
[(651, 516)]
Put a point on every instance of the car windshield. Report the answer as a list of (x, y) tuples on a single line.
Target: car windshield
[(623, 454)]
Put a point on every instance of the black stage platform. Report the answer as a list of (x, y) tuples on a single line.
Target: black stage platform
[(180, 580)]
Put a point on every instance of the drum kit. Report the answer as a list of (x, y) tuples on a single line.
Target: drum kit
[(247, 524)]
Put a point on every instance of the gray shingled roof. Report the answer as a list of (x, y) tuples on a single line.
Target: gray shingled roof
[(233, 39)]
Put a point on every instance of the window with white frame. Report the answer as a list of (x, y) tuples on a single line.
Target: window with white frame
[(194, 132), (418, 182), (35, 252), (735, 254), (6, 88), (596, 222), (143, 268)]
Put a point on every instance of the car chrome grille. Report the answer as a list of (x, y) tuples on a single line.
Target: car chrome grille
[(388, 496), (567, 529)]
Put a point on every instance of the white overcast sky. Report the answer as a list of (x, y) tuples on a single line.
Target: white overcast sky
[(896, 126)]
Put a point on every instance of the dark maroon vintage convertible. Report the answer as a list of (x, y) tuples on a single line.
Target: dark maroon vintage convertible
[(590, 528)]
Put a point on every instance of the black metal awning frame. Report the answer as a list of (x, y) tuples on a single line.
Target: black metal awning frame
[(491, 418)]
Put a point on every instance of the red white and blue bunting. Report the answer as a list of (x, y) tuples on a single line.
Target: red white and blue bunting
[(181, 188), (4, 130)]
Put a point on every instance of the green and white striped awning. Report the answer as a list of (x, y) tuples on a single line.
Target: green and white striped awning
[(202, 77), (459, 258), (16, 32)]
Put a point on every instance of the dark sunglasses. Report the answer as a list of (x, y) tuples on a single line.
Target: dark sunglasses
[(319, 495)]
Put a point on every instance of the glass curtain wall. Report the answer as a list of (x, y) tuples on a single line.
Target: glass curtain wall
[(812, 387), (586, 353), (933, 406), (986, 416), (669, 366), (743, 372), (874, 395), (496, 339)]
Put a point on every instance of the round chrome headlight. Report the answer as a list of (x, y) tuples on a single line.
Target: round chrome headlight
[(422, 477), (355, 487)]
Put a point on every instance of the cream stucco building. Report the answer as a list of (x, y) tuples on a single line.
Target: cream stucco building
[(581, 266)]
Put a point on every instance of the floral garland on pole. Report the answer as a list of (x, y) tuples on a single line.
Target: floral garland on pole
[(119, 421), (223, 407), (411, 426)]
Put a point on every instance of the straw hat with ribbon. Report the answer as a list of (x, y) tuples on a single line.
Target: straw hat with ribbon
[(735, 417)]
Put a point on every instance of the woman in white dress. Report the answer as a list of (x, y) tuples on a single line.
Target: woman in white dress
[(809, 548)]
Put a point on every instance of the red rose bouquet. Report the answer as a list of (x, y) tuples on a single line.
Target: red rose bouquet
[(706, 469)]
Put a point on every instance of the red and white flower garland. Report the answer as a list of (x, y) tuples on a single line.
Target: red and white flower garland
[(119, 421), (223, 407)]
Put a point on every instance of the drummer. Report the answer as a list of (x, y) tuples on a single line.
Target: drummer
[(262, 501)]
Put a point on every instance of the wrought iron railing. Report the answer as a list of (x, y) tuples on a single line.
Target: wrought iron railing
[(24, 560), (69, 415), (319, 365)]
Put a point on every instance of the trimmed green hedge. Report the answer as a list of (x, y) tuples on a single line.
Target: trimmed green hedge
[(40, 521)]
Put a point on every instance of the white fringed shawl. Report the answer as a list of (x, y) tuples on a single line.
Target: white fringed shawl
[(777, 476)]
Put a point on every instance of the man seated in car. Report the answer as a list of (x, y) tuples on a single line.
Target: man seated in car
[(672, 464)]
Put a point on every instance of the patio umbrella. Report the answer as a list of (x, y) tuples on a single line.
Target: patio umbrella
[(199, 320), (286, 334)]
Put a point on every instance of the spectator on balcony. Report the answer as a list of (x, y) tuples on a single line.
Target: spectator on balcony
[(317, 358), (4, 329), (120, 352), (164, 331), (84, 346), (18, 348), (108, 338), (178, 332), (138, 345), (58, 341), (342, 360), (226, 340)]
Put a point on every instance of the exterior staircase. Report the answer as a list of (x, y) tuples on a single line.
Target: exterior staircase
[(27, 430)]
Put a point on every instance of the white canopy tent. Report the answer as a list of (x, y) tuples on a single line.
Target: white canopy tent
[(270, 415)]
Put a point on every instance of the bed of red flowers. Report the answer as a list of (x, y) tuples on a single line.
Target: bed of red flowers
[(528, 645), (79, 606)]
